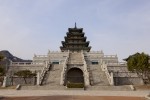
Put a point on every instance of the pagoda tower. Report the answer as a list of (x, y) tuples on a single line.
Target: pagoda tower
[(75, 41)]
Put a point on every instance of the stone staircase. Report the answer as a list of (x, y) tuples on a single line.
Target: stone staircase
[(51, 80), (54, 75), (75, 58), (97, 76)]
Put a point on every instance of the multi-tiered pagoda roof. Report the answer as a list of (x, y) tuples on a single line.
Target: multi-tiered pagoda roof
[(75, 40)]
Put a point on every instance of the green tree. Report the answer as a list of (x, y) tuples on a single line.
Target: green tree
[(25, 74), (1, 57), (139, 62), (2, 71)]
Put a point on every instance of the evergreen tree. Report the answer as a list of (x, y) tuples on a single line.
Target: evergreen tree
[(1, 57), (1, 69), (25, 74), (139, 63)]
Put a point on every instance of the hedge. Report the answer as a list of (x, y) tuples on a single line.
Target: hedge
[(75, 85)]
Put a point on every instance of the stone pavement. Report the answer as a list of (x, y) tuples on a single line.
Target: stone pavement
[(19, 93), (73, 98)]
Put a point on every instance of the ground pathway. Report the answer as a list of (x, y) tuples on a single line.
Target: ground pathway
[(70, 95), (73, 98), (17, 93)]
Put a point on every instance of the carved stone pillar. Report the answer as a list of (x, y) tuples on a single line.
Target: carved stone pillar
[(5, 81), (38, 78)]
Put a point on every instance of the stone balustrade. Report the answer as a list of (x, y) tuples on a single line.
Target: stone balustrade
[(117, 64), (62, 80), (108, 75), (40, 55), (50, 52), (44, 70), (110, 56), (22, 64), (86, 73), (96, 52), (125, 74)]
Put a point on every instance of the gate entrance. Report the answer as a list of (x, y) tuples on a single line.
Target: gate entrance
[(75, 75)]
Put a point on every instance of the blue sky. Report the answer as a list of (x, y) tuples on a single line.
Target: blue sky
[(29, 27)]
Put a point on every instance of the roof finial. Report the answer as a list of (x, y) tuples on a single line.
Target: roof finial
[(75, 25)]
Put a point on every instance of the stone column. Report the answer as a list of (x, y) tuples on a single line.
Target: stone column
[(86, 78), (62, 78), (5, 82), (112, 78), (38, 78)]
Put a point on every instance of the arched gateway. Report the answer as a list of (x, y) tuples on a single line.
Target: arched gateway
[(75, 75)]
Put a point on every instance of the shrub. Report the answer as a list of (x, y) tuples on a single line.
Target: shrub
[(75, 85)]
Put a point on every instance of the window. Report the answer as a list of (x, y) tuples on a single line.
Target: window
[(94, 62), (55, 62)]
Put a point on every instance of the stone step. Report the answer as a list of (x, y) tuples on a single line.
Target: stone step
[(97, 76), (58, 87), (110, 88), (43, 87), (54, 75)]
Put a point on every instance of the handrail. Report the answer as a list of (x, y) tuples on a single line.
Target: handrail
[(110, 56), (101, 52), (64, 70), (44, 70), (108, 75), (40, 56), (86, 73), (17, 63), (118, 63), (22, 64)]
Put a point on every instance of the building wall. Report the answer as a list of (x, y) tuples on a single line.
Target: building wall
[(99, 56), (19, 80), (96, 56), (128, 81)]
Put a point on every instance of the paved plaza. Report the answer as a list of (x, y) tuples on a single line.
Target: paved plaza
[(74, 98), (71, 95), (18, 93)]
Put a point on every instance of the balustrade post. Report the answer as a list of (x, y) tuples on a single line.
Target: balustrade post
[(62, 78), (5, 81), (111, 78), (38, 78)]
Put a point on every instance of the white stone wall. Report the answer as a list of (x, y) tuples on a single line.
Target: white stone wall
[(128, 81), (56, 56), (99, 56)]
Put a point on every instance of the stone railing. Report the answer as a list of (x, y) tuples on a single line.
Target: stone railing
[(117, 64), (44, 70), (96, 52), (110, 56), (62, 81), (54, 52), (22, 64), (86, 73), (40, 55), (125, 74), (108, 75)]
